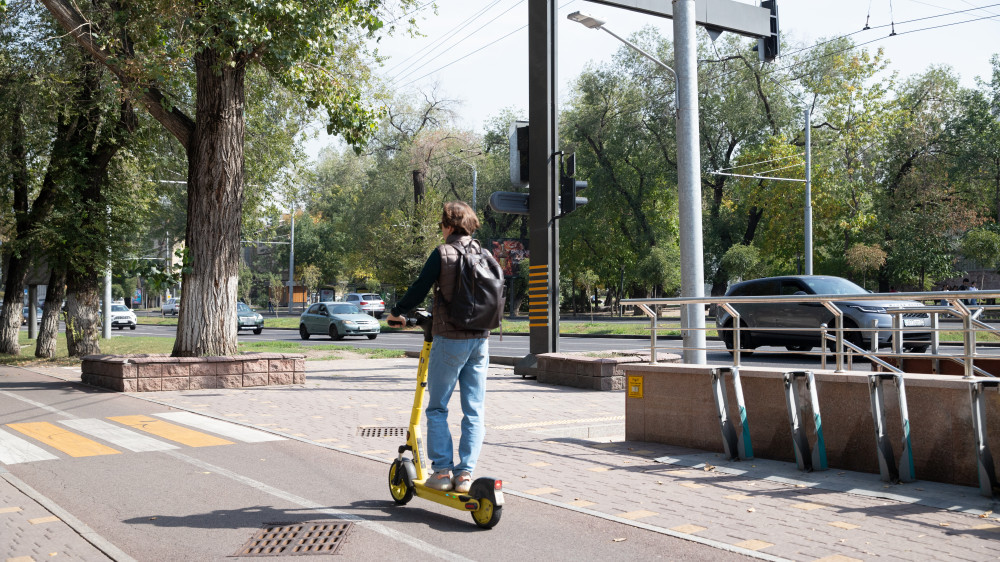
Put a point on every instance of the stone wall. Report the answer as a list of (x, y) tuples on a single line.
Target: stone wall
[(150, 373), (677, 408)]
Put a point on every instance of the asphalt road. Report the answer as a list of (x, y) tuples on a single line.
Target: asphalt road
[(517, 345)]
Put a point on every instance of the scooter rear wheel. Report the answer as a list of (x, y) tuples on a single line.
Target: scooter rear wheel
[(488, 515), (401, 491)]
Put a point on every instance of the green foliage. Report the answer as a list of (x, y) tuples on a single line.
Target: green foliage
[(741, 261), (983, 246)]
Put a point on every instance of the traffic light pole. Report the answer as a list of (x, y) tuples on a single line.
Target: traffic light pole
[(543, 179), (689, 181)]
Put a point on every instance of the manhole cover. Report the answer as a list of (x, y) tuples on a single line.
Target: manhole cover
[(289, 539), (369, 431)]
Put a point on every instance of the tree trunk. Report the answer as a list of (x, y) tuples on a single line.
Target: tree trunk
[(207, 322), (82, 331), (45, 346), (17, 264), (419, 189)]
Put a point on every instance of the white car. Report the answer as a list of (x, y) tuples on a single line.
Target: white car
[(172, 306), (122, 316)]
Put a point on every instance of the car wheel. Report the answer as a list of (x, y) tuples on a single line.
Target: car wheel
[(372, 336), (851, 334), (257, 331), (745, 343), (132, 327), (303, 332), (799, 348), (334, 334)]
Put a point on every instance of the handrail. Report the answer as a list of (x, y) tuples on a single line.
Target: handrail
[(957, 307)]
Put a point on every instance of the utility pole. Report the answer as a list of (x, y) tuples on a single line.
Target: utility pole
[(689, 180), (543, 178), (291, 266), (808, 226)]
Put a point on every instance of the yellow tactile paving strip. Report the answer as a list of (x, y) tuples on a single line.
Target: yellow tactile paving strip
[(170, 431), (73, 444)]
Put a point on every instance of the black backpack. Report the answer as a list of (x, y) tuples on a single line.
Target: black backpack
[(477, 303)]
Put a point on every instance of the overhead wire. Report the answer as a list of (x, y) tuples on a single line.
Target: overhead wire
[(862, 44), (432, 46), (467, 55)]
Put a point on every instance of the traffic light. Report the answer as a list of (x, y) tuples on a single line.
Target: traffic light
[(569, 187), (518, 137), (767, 47)]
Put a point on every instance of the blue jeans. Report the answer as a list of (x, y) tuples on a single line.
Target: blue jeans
[(462, 362)]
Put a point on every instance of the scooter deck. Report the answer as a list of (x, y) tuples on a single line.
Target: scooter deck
[(456, 500)]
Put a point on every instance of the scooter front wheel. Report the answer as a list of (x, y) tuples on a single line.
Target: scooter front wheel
[(488, 514), (401, 490)]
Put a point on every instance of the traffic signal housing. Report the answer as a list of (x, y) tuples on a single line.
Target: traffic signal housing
[(767, 47), (569, 188), (518, 137)]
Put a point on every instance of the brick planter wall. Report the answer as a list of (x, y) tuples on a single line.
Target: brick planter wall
[(150, 373), (595, 373)]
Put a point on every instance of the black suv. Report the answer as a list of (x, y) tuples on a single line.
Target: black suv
[(795, 325)]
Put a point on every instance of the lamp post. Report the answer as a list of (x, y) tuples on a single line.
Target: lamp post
[(474, 175), (688, 168), (590, 21)]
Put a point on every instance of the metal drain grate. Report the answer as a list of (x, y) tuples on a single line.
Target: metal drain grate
[(290, 539), (371, 431)]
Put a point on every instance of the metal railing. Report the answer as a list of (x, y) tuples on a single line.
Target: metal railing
[(836, 339)]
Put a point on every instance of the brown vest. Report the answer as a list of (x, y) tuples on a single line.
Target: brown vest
[(444, 290)]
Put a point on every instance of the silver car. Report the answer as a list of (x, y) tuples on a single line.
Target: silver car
[(370, 303), (337, 319), (796, 325)]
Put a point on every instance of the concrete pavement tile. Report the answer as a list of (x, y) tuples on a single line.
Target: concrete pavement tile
[(688, 529)]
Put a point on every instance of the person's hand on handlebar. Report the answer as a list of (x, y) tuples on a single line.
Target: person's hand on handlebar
[(396, 321)]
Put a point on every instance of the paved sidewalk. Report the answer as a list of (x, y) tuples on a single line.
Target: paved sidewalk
[(35, 529), (566, 446)]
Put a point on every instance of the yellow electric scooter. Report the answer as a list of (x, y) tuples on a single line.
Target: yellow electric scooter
[(408, 475)]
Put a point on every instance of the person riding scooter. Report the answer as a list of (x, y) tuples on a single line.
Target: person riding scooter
[(457, 356)]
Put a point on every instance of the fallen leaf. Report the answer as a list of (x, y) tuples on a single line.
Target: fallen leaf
[(751, 510), (659, 482), (944, 524), (618, 540), (709, 467), (985, 514)]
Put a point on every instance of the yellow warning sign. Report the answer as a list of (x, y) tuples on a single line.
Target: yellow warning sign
[(635, 387)]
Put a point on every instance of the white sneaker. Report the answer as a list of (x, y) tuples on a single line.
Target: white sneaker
[(440, 480), (462, 482)]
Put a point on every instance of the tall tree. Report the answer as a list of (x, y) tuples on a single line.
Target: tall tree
[(314, 49)]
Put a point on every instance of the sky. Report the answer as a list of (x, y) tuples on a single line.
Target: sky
[(476, 52)]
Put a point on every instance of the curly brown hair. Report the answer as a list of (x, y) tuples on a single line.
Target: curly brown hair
[(460, 217)]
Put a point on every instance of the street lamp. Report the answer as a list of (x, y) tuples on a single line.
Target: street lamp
[(688, 181), (595, 23)]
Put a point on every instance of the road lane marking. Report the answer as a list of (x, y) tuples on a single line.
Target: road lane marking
[(73, 444), (118, 436), (14, 450), (171, 431), (230, 430)]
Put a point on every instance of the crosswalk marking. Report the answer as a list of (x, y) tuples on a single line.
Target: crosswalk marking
[(14, 450), (72, 444), (118, 436), (170, 431), (230, 430)]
